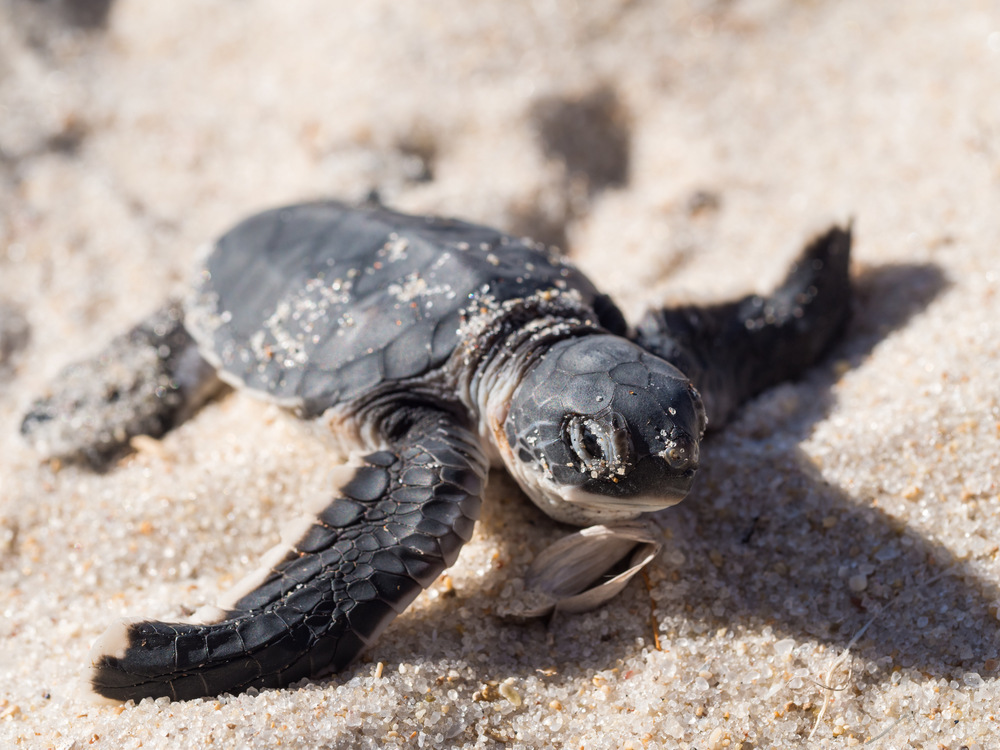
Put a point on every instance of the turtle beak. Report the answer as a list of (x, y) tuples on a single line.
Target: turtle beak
[(653, 484)]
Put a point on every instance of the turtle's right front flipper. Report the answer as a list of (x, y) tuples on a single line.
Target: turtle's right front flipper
[(733, 351), (144, 382), (397, 519)]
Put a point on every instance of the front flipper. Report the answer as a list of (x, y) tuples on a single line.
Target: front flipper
[(584, 570), (144, 382), (395, 523), (735, 350)]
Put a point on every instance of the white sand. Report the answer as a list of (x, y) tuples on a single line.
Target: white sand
[(866, 494)]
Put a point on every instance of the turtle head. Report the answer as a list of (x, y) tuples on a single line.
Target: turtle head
[(600, 429)]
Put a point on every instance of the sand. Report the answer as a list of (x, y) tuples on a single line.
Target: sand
[(834, 573)]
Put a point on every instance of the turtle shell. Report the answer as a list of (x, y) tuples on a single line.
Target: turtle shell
[(318, 304)]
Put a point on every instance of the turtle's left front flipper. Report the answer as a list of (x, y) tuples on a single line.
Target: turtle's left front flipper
[(588, 568), (735, 350), (397, 519), (144, 382)]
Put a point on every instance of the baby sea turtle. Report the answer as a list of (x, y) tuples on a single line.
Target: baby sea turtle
[(428, 350)]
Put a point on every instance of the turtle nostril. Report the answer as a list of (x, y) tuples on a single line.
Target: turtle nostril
[(681, 455), (676, 456)]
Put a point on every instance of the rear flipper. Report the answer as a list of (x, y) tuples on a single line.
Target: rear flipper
[(144, 382), (398, 519), (735, 350)]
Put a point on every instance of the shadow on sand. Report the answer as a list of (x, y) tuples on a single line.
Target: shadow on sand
[(771, 572)]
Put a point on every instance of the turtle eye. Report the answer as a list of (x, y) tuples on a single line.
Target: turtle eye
[(586, 444), (601, 444)]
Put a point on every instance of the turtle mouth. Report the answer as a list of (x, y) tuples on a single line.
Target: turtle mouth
[(663, 492), (650, 503), (653, 484), (600, 500)]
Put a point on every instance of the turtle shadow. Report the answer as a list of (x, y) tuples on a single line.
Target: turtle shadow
[(755, 558), (812, 562)]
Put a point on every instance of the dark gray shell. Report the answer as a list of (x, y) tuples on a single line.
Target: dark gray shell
[(319, 304)]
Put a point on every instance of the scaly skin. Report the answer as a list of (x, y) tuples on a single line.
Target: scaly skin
[(387, 534)]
